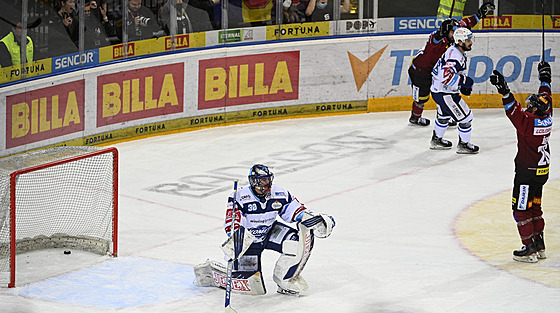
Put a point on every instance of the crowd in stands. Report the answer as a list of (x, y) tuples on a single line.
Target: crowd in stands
[(104, 20)]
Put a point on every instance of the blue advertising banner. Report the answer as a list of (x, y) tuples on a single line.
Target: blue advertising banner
[(69, 61)]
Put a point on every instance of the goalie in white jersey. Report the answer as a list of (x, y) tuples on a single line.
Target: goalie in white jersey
[(264, 212), (449, 81)]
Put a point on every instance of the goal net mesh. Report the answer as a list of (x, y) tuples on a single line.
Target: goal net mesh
[(66, 204)]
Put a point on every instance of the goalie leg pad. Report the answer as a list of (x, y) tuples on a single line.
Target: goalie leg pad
[(214, 274), (293, 259)]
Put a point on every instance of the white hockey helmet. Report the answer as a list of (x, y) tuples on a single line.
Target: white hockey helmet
[(462, 34)]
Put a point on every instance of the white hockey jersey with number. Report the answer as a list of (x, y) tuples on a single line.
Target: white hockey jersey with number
[(449, 71), (258, 217)]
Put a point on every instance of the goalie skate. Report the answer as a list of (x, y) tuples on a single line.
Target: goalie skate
[(288, 292)]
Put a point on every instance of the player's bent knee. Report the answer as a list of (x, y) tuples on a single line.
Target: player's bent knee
[(466, 125)]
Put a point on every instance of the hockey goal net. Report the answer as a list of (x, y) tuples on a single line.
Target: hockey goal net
[(62, 197)]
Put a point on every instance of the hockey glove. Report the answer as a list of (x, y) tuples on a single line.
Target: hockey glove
[(545, 74), (322, 224), (485, 8), (498, 80), (446, 27), (465, 85)]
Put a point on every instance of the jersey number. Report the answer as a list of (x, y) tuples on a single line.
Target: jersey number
[(545, 159), (252, 207)]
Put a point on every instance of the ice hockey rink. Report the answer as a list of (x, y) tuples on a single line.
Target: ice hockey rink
[(417, 230)]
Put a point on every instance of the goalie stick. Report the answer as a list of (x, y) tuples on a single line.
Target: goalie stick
[(228, 308)]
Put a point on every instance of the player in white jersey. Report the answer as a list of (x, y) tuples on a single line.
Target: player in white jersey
[(449, 81), (264, 213)]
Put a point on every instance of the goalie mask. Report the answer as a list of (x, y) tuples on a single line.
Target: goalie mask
[(540, 101), (260, 179)]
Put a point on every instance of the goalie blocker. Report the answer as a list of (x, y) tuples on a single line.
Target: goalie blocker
[(262, 219)]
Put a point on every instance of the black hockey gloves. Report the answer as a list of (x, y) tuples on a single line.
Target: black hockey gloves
[(545, 75), (465, 85), (485, 8), (446, 27), (498, 80)]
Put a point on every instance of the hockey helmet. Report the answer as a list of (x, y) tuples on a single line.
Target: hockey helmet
[(540, 101), (260, 179), (462, 34)]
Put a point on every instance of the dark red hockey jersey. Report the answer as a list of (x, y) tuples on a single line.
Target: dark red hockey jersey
[(428, 56), (533, 133)]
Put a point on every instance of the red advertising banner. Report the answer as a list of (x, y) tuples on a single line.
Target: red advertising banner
[(138, 94), (248, 79), (44, 113)]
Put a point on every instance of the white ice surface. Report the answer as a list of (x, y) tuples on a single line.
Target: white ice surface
[(395, 201)]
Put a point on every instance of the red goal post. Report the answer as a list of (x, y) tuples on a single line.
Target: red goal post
[(61, 197)]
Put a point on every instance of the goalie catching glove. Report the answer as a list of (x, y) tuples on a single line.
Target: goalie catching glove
[(321, 224)]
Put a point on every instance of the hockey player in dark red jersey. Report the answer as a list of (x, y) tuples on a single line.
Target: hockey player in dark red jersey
[(532, 161), (420, 70)]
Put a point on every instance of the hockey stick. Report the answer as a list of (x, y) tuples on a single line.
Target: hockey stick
[(451, 11), (542, 15), (228, 308), (35, 23)]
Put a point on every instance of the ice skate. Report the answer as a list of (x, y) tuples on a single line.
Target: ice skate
[(539, 246), (439, 143), (526, 254), (421, 121), (288, 292), (466, 148)]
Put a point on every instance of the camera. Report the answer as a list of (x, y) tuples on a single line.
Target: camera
[(142, 20)]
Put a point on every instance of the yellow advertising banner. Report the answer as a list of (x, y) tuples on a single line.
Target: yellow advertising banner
[(32, 69), (302, 30), (518, 22), (151, 46)]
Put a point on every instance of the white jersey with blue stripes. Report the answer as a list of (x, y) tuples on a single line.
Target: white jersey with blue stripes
[(449, 71)]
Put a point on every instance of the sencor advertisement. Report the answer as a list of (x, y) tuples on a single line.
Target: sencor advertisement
[(258, 78), (138, 94), (45, 113), (66, 62)]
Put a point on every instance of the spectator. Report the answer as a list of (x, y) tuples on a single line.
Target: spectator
[(192, 16), (292, 12), (97, 25), (10, 48), (67, 13), (323, 10), (62, 29), (184, 24), (141, 23), (98, 9)]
